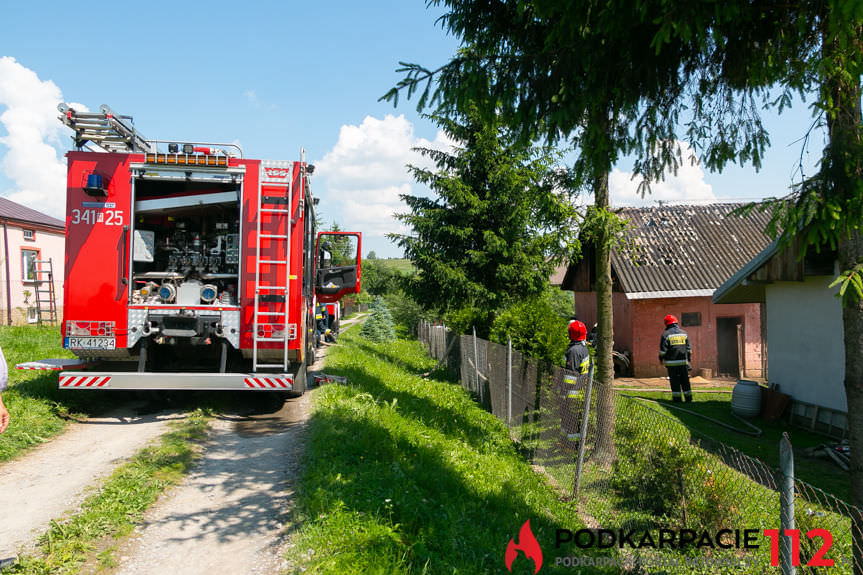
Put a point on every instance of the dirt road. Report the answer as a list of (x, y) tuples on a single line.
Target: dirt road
[(699, 384), (53, 478), (228, 515)]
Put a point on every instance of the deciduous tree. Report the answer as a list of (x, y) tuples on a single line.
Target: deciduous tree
[(633, 76)]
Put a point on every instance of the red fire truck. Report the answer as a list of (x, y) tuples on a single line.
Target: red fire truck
[(189, 266)]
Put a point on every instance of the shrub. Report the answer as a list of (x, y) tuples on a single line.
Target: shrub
[(462, 321), (535, 329), (649, 474), (406, 312), (662, 472), (379, 325)]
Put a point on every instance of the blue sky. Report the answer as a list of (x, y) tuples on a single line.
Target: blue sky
[(274, 77)]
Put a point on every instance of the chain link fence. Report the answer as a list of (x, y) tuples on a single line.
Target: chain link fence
[(644, 471)]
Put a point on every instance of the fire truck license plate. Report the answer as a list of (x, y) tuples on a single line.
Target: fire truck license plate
[(91, 343)]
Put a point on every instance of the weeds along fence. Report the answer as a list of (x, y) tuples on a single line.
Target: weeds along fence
[(646, 471)]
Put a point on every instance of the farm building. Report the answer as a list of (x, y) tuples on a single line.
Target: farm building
[(804, 326), (672, 261)]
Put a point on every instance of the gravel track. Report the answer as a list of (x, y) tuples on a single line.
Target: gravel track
[(53, 478), (230, 514)]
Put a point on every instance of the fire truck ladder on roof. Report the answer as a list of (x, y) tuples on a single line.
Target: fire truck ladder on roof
[(109, 131), (43, 284), (273, 228)]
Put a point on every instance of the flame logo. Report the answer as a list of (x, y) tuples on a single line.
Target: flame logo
[(526, 543)]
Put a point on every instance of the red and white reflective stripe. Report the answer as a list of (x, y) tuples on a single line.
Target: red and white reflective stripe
[(268, 382), (41, 367), (84, 380)]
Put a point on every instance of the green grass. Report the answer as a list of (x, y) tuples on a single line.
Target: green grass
[(403, 266), (818, 472), (406, 475), (38, 409), (118, 505), (663, 478)]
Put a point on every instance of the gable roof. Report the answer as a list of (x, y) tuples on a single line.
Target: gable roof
[(776, 262), (676, 251), (691, 249), (558, 275), (13, 211), (736, 289)]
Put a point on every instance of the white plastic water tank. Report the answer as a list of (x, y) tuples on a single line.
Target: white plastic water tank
[(746, 398)]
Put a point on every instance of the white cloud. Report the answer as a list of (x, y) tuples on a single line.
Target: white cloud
[(687, 185), (31, 161), (251, 97), (360, 179)]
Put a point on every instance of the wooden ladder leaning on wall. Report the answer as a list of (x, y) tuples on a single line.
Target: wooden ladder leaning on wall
[(46, 302)]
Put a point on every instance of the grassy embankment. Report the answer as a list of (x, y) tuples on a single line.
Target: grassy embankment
[(406, 475), (663, 479), (403, 266), (410, 476), (818, 472)]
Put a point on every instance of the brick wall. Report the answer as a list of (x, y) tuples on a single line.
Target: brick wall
[(638, 325)]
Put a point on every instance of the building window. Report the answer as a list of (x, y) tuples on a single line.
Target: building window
[(28, 264), (30, 235), (32, 315), (691, 319)]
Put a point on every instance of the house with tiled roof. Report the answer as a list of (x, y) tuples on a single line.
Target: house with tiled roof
[(671, 261), (32, 244)]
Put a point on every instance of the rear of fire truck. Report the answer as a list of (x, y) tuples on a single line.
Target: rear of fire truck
[(189, 266)]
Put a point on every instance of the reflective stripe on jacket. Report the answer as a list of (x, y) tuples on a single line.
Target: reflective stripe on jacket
[(577, 357), (674, 347)]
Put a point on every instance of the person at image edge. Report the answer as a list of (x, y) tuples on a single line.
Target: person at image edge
[(4, 378)]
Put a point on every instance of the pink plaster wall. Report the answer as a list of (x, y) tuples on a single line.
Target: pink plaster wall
[(49, 244)]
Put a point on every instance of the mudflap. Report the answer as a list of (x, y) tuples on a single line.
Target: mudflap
[(300, 383)]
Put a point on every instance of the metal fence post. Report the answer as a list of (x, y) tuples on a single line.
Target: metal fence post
[(583, 439), (508, 381), (786, 504)]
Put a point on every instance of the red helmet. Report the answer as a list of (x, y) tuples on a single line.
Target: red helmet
[(577, 331), (670, 319)]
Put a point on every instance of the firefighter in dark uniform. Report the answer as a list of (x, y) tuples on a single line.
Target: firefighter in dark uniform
[(577, 364), (321, 327), (675, 352), (577, 356)]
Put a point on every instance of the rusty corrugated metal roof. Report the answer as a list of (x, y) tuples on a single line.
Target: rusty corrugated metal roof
[(686, 248), (10, 210)]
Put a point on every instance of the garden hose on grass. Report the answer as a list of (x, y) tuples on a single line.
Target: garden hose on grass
[(756, 433)]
